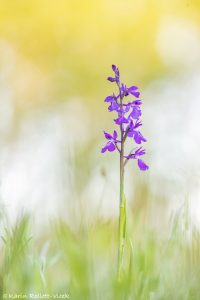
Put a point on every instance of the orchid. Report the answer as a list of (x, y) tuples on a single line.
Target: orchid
[(128, 120), (112, 144), (128, 114)]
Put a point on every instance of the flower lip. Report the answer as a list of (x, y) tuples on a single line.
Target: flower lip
[(138, 137), (110, 146), (142, 165)]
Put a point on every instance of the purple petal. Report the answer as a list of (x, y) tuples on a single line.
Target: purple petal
[(115, 135), (126, 108), (139, 152), (113, 106), (131, 125), (111, 79), (123, 89), (104, 149), (121, 120), (133, 91), (130, 129), (136, 112), (114, 68), (136, 94), (136, 102), (130, 134), (111, 146), (142, 165), (132, 88), (138, 137), (137, 124), (107, 136), (108, 99)]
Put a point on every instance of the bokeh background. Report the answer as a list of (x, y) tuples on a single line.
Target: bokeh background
[(59, 195), (54, 60)]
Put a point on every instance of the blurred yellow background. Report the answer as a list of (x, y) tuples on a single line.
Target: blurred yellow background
[(54, 60), (57, 49)]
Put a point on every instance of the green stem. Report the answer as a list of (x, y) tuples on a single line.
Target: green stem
[(122, 211), (122, 202)]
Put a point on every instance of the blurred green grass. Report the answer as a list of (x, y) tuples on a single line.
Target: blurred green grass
[(82, 261)]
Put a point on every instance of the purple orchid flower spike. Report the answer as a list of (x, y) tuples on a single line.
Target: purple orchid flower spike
[(128, 121), (128, 117)]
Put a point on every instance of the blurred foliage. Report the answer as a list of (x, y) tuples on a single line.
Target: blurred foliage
[(82, 262)]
